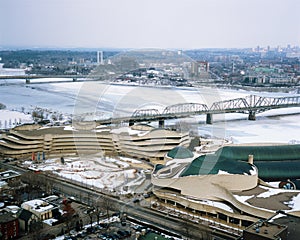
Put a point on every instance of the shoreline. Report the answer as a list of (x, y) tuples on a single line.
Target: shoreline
[(271, 89)]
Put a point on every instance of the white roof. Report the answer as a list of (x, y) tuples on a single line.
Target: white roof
[(37, 205)]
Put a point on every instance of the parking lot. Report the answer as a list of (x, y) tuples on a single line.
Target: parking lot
[(112, 229)]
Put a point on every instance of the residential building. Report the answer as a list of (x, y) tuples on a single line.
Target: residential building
[(9, 225), (27, 220), (41, 209)]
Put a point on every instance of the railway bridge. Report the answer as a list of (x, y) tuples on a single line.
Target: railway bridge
[(250, 105)]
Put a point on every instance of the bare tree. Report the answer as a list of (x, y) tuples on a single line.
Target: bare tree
[(68, 214), (36, 228), (99, 208)]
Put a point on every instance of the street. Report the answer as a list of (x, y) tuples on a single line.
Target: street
[(158, 220)]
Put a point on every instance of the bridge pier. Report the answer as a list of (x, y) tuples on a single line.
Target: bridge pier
[(252, 116), (161, 123), (209, 118), (131, 123), (27, 81)]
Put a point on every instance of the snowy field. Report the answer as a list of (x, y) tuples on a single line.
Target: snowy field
[(10, 119), (11, 71), (103, 173)]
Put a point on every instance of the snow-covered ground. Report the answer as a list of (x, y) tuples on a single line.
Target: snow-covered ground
[(10, 119), (105, 173), (11, 71)]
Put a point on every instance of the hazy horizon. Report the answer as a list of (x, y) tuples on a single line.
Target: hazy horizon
[(132, 24)]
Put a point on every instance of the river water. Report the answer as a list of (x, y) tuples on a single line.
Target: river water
[(103, 100)]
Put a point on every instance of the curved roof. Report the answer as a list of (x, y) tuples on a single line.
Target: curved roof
[(261, 153), (273, 162), (180, 152), (205, 165)]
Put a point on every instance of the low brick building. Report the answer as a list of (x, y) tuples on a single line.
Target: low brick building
[(9, 225)]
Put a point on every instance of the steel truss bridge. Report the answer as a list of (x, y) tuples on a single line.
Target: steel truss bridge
[(249, 105)]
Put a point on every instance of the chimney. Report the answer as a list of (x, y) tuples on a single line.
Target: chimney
[(250, 159)]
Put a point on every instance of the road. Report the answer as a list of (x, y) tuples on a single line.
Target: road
[(164, 222)]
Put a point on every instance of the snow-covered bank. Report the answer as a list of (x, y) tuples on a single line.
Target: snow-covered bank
[(11, 71), (9, 119)]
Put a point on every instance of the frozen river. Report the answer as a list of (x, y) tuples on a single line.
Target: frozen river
[(103, 100)]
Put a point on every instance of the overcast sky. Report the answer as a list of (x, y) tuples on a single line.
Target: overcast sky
[(182, 24)]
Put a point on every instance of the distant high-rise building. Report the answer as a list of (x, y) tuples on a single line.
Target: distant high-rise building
[(100, 57), (199, 66), (81, 60), (279, 48)]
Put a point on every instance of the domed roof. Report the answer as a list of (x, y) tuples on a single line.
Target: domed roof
[(180, 152)]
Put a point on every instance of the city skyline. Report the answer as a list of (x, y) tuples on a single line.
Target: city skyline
[(144, 24)]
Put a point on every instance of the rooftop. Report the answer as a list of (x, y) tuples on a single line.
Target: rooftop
[(292, 222), (8, 175), (209, 164), (38, 205), (6, 216), (180, 152), (270, 198), (273, 162), (266, 229)]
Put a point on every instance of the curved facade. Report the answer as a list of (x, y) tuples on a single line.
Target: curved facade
[(136, 141), (229, 180), (145, 142), (201, 172), (53, 141)]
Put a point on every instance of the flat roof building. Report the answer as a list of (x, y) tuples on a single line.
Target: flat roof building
[(8, 175), (265, 230), (41, 209)]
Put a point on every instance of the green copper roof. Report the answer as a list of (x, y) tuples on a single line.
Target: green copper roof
[(277, 171), (180, 153), (273, 162), (209, 164), (261, 153)]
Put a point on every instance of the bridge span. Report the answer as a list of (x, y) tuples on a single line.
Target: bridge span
[(249, 105), (29, 79)]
